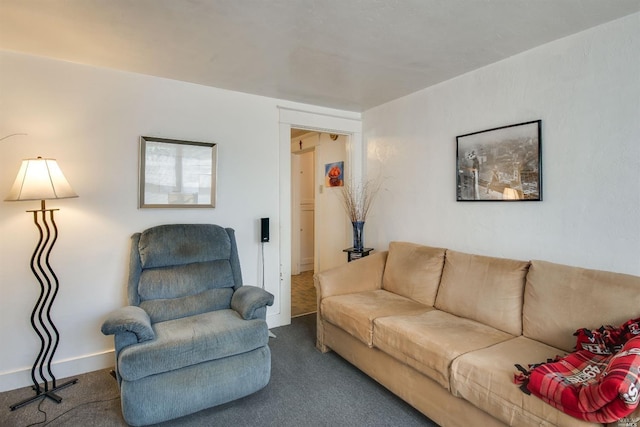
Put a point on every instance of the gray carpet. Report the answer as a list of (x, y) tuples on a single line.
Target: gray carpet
[(307, 388)]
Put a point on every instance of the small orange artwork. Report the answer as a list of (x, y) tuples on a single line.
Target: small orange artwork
[(334, 174)]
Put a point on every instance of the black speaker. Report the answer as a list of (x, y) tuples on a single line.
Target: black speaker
[(264, 229)]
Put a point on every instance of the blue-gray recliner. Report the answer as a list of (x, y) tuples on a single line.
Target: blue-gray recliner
[(192, 337)]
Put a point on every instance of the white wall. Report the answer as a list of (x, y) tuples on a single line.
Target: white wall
[(90, 120), (586, 90), (332, 226)]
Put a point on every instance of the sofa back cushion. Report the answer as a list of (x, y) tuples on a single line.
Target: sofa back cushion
[(413, 271), (486, 289), (560, 299)]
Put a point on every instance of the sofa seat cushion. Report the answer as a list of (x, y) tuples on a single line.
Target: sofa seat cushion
[(192, 340), (355, 313), (429, 342), (485, 379)]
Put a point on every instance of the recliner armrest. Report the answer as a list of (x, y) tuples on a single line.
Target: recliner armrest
[(129, 319), (247, 299)]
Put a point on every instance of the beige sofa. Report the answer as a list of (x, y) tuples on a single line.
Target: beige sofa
[(443, 329)]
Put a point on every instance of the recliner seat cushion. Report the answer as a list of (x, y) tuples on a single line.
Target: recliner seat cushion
[(429, 342), (192, 340), (356, 312)]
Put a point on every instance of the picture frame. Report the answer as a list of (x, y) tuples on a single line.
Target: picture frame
[(500, 164), (177, 174), (334, 174)]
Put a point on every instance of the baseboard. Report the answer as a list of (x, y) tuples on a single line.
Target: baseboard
[(304, 314), (93, 362), (62, 369), (278, 319)]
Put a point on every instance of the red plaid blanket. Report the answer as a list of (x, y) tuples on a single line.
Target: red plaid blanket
[(599, 382)]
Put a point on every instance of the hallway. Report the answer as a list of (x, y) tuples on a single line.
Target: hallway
[(303, 294)]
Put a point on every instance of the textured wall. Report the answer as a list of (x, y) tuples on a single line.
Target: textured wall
[(90, 120), (586, 90)]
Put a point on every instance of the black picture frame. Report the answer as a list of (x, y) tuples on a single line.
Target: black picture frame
[(500, 164)]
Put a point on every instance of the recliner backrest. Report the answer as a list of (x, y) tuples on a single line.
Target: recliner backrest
[(182, 270)]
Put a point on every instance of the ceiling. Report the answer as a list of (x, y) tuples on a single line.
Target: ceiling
[(346, 54)]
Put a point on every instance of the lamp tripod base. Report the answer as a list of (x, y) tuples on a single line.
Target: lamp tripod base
[(50, 394)]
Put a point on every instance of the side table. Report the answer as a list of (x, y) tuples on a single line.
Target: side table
[(353, 254)]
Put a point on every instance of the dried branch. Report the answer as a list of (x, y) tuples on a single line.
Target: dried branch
[(357, 198)]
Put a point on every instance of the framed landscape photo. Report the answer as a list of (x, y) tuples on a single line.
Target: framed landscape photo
[(177, 174), (500, 164)]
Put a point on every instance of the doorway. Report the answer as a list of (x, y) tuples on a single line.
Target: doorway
[(318, 224), (343, 123)]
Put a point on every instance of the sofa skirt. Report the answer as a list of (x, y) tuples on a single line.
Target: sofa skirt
[(421, 392)]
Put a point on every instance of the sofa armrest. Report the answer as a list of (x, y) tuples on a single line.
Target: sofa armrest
[(248, 300), (130, 319), (364, 274)]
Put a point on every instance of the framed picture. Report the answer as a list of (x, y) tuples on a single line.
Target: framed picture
[(177, 174), (500, 164), (334, 174)]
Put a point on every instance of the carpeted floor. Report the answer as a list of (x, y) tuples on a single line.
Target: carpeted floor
[(307, 388), (303, 294)]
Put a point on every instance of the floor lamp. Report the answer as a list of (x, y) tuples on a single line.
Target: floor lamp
[(41, 179)]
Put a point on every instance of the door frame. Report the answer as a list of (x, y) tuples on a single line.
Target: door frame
[(350, 125)]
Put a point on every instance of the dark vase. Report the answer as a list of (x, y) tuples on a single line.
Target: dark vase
[(358, 229)]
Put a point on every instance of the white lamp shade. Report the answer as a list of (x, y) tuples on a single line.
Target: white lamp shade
[(40, 179)]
